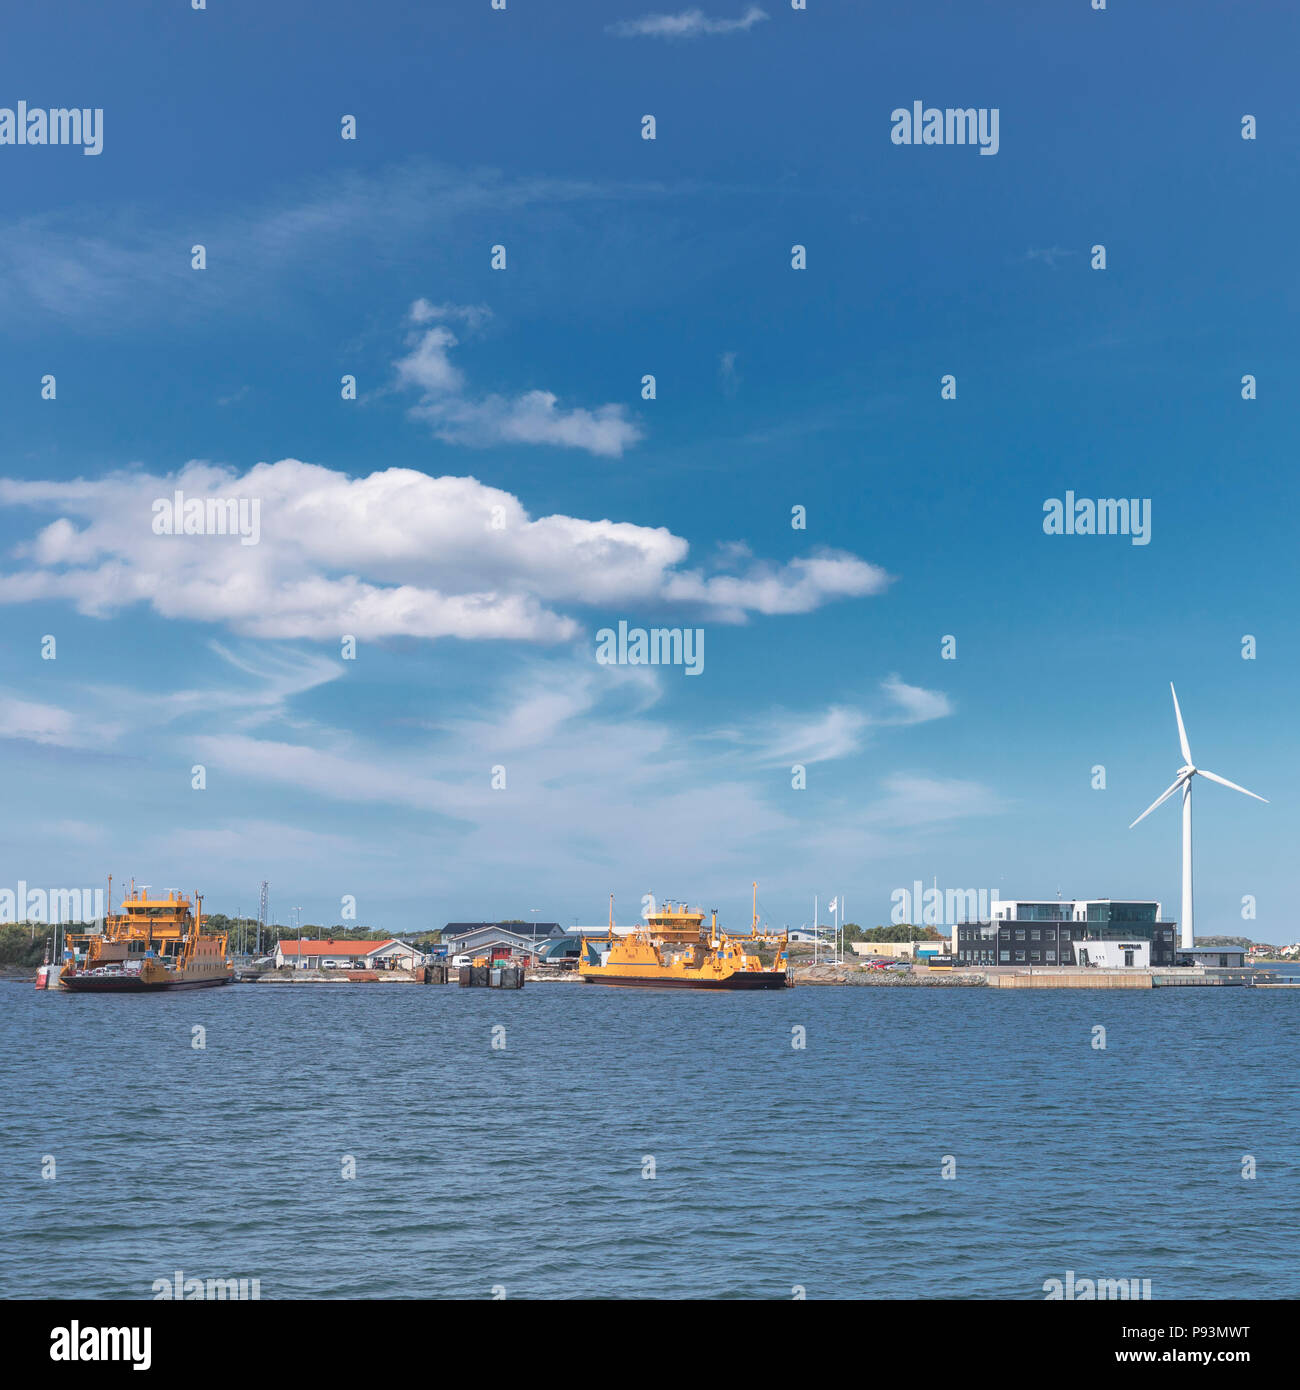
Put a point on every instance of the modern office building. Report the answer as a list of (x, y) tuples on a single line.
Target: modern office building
[(1023, 932)]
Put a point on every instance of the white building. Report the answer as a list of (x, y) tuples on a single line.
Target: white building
[(348, 955), (1114, 955), (395, 955), (1075, 910)]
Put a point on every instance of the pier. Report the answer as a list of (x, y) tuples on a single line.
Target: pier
[(1076, 979), (1173, 977), (492, 976)]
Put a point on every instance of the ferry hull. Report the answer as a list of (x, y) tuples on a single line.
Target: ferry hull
[(742, 979), (117, 984)]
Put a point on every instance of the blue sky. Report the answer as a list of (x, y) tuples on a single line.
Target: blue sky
[(776, 388)]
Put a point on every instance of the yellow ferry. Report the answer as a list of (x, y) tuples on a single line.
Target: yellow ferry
[(675, 950), (152, 944)]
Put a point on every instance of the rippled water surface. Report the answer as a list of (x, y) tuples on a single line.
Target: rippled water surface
[(774, 1167)]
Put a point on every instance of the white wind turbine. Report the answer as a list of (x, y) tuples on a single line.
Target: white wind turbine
[(1184, 780)]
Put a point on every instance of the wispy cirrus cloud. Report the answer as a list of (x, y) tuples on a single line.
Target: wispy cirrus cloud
[(130, 266), (913, 704), (97, 715), (36, 721), (842, 730), (531, 417), (601, 782), (728, 376), (689, 24), (1049, 255), (913, 799)]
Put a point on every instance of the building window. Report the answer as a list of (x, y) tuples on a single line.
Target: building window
[(1036, 956), (1006, 956), (1020, 955), (1051, 956), (1020, 933)]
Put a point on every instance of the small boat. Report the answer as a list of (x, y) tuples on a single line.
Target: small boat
[(47, 973), (153, 944), (675, 950)]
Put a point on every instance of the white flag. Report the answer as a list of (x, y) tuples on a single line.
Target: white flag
[(834, 903)]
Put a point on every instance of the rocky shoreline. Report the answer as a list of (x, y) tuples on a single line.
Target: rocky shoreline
[(924, 979)]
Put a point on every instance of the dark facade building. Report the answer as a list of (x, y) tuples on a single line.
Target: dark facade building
[(1047, 933)]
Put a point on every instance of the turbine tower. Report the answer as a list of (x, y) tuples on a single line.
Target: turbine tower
[(1184, 780)]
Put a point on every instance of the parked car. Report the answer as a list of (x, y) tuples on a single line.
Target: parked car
[(462, 959)]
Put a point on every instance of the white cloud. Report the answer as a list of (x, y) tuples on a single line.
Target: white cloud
[(919, 800), (243, 843), (1048, 254), (51, 724), (915, 703), (798, 586), (839, 731), (600, 787), (607, 787), (83, 832), (688, 24), (395, 553), (126, 269), (836, 733), (532, 417), (98, 715)]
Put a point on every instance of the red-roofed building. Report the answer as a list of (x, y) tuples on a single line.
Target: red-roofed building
[(357, 955)]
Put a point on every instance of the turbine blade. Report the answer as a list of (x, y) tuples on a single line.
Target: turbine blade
[(1223, 782), (1164, 796), (1182, 733)]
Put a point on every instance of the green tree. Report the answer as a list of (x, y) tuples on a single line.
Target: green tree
[(901, 931), (22, 944)]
